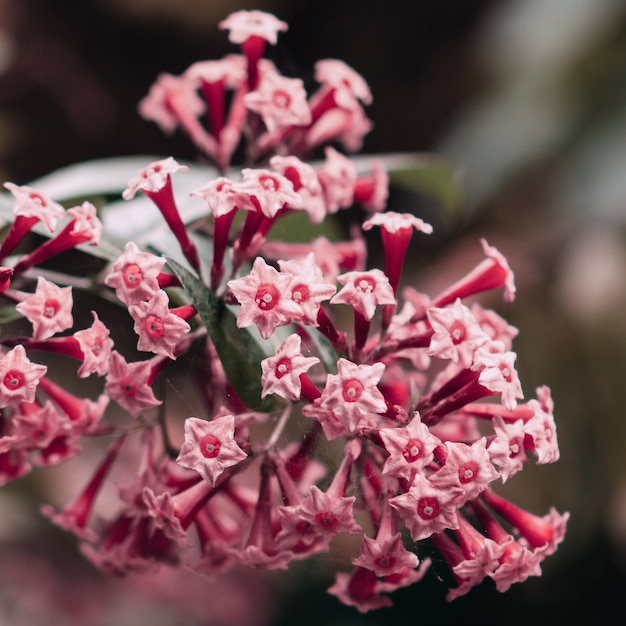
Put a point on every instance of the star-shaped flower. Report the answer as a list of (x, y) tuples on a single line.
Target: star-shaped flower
[(96, 344), (30, 202), (210, 447), (364, 291), (153, 177), (49, 309), (281, 373), (19, 377), (245, 24)]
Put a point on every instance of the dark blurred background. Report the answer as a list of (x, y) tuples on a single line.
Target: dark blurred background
[(528, 97)]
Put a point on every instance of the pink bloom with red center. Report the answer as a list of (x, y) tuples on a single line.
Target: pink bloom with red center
[(129, 384), (159, 330), (266, 192), (210, 447), (134, 275), (385, 557), (541, 434), (264, 298), (37, 426), (281, 373), (19, 377), (305, 182), (328, 516), (160, 509), (49, 309), (349, 86), (516, 565), (153, 177), (96, 344), (85, 223), (498, 375), (337, 176), (426, 509), (219, 195), (32, 203), (308, 287), (364, 291), (245, 24), (506, 450), (457, 335), (410, 448), (467, 467), (280, 102), (352, 394)]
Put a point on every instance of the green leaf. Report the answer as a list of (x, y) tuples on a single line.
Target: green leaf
[(239, 352)]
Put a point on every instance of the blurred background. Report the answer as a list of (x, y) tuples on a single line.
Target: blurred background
[(528, 99)]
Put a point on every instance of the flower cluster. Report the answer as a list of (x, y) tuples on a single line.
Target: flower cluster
[(420, 392)]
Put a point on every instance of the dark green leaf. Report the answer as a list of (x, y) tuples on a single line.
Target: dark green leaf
[(239, 352)]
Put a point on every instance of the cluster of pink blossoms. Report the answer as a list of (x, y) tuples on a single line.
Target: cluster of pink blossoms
[(403, 389)]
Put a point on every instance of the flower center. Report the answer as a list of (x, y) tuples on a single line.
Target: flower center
[(352, 390), (468, 472), (300, 294), (428, 508), (385, 560), (506, 373), (327, 520), (132, 275), (210, 446), (13, 380), (281, 99), (269, 183), (457, 332), (283, 367), (51, 308), (266, 297), (128, 388), (412, 451), (154, 326), (366, 284)]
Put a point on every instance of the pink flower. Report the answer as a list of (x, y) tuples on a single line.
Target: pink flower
[(281, 373), (264, 299), (219, 195), (134, 275), (49, 309), (498, 375), (280, 101), (364, 291), (129, 384), (308, 287), (410, 449), (159, 330), (153, 177), (385, 557), (427, 509), (359, 589), (19, 377), (245, 24), (210, 447), (352, 395), (393, 223), (506, 450), (96, 345), (231, 70), (348, 84), (457, 334), (86, 227), (467, 467), (265, 191), (32, 203)]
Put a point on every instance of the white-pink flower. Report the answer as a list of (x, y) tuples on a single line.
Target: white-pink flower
[(348, 84), (265, 191), (281, 373), (153, 177), (245, 24), (86, 225), (19, 377), (49, 309), (364, 291), (30, 202), (210, 447), (159, 330), (264, 298), (96, 345)]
